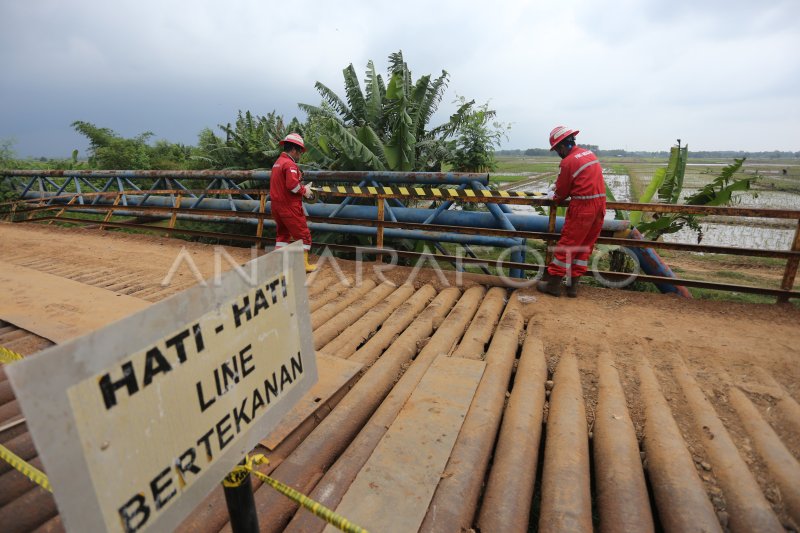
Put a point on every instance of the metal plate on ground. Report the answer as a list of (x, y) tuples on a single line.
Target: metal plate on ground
[(56, 308), (394, 488)]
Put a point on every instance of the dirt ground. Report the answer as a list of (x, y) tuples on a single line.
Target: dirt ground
[(753, 346)]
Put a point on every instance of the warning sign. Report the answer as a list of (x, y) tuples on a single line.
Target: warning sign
[(137, 422)]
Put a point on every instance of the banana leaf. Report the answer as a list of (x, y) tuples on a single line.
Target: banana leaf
[(720, 191), (647, 195), (670, 190), (619, 214)]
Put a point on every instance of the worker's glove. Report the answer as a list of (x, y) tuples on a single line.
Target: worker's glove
[(551, 191), (308, 192)]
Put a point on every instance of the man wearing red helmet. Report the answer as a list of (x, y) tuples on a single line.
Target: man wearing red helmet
[(580, 178), (286, 192)]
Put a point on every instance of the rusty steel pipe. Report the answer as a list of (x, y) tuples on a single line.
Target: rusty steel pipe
[(566, 495), (396, 324), (345, 343), (780, 462), (477, 336), (346, 317), (29, 511), (509, 491), (749, 510), (380, 176), (681, 499), (22, 446), (331, 309), (15, 484), (622, 498), (322, 298), (786, 408)]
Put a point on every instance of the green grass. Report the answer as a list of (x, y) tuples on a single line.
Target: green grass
[(727, 260), (507, 179), (730, 274), (526, 164), (727, 296)]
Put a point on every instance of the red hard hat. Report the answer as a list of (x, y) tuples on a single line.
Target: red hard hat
[(294, 138), (560, 133)]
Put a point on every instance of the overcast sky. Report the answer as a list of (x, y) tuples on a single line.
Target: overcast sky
[(631, 74)]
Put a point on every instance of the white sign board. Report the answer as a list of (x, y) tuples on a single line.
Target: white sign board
[(137, 422)]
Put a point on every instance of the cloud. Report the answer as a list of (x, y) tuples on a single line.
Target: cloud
[(633, 74)]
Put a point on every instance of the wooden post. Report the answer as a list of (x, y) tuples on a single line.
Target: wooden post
[(61, 211), (551, 227), (174, 216), (791, 267), (379, 237), (110, 211), (262, 204)]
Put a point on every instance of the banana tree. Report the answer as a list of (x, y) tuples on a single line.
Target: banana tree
[(252, 141), (669, 185), (383, 126)]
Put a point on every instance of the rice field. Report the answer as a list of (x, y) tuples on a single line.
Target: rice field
[(778, 188)]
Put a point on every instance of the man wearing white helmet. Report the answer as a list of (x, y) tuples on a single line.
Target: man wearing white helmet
[(580, 178), (286, 192)]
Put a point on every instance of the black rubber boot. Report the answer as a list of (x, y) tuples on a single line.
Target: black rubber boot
[(549, 284), (572, 288)]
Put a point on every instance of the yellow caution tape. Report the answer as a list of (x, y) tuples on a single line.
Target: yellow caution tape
[(239, 474), (30, 472), (7, 356), (428, 192)]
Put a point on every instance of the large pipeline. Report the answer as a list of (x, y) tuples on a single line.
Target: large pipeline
[(681, 499), (348, 341), (748, 508), (509, 491), (622, 497), (780, 462), (477, 337), (478, 219), (566, 495)]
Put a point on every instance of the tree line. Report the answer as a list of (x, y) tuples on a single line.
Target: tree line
[(707, 154)]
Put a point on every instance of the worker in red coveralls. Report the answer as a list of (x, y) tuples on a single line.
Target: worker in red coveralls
[(286, 192), (580, 178)]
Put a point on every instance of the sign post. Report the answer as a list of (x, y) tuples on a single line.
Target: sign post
[(241, 503), (137, 422)]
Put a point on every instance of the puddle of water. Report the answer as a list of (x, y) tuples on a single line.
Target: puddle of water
[(618, 183), (763, 200), (737, 236)]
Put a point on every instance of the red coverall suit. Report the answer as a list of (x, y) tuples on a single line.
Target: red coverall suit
[(581, 178), (286, 196)]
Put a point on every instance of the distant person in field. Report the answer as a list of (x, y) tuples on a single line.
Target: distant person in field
[(286, 192), (580, 178)]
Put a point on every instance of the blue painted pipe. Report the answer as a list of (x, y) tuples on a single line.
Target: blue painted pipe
[(652, 264), (476, 219)]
